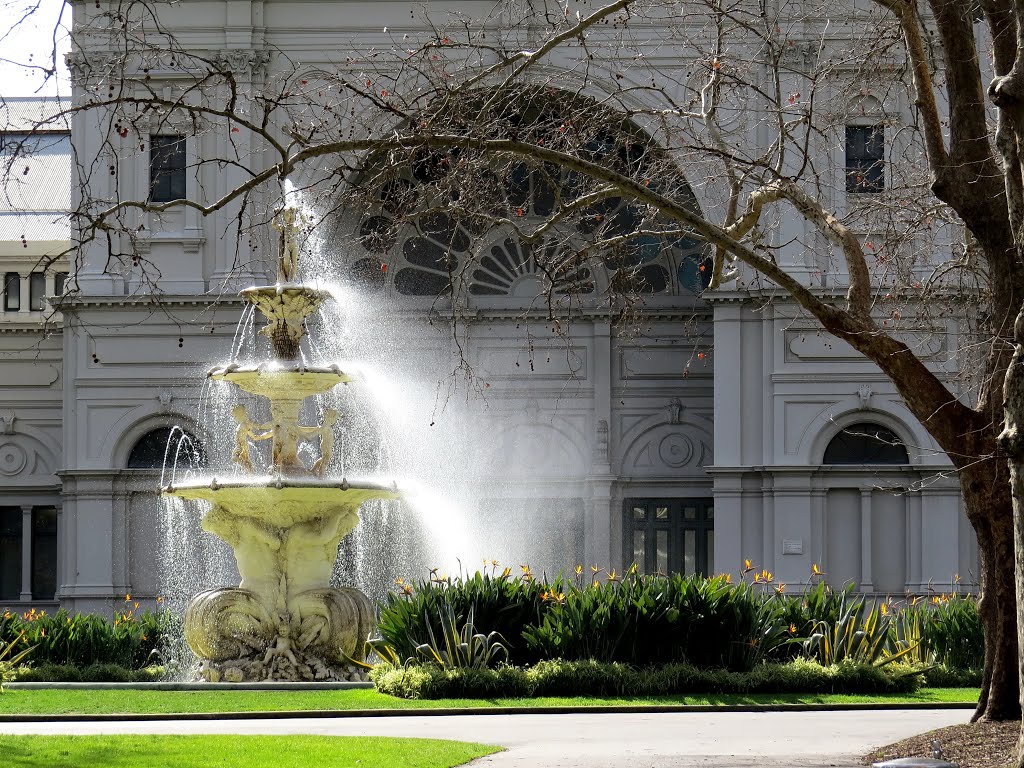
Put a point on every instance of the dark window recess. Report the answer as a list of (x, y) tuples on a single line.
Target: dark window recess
[(37, 292), (865, 158), (172, 444), (12, 292), (44, 553), (60, 282), (10, 553), (866, 443), (665, 536), (166, 168)]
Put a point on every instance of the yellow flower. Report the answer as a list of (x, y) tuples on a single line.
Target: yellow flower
[(766, 576), (747, 567), (399, 582), (816, 571), (594, 568), (780, 588), (632, 569), (506, 573), (135, 606), (494, 563), (128, 598), (579, 569), (159, 600), (406, 589), (792, 629), (612, 576)]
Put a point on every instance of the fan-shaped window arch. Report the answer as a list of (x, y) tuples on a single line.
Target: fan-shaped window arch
[(445, 221), (166, 445), (865, 443)]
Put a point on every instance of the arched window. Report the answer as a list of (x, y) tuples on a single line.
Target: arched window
[(446, 222), (166, 444), (866, 443)]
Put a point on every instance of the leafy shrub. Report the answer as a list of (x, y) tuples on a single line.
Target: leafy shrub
[(8, 659), (953, 632), (863, 638), (83, 639), (462, 648), (500, 603), (655, 620)]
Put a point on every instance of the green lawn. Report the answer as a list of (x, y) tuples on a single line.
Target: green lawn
[(51, 701), (236, 751)]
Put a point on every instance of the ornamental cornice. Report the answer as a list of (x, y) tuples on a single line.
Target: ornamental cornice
[(478, 314)]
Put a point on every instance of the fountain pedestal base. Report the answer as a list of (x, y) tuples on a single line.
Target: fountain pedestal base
[(319, 637)]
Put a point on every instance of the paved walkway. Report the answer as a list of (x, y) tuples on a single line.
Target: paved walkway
[(655, 740)]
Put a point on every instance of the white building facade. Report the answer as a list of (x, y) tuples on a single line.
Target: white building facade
[(717, 428)]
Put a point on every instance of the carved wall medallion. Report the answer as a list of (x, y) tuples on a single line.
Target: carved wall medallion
[(13, 459), (675, 450)]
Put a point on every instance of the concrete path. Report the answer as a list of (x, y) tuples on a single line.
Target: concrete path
[(656, 740)]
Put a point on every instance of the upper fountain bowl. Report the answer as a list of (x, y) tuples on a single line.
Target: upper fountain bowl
[(286, 307), (282, 381)]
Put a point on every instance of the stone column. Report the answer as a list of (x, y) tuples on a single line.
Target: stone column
[(60, 549), (866, 583), (23, 284), (26, 553)]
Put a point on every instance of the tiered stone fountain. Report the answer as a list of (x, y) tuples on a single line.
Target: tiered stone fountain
[(284, 521)]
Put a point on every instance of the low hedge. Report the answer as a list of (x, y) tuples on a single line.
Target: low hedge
[(594, 678), (944, 676), (93, 673)]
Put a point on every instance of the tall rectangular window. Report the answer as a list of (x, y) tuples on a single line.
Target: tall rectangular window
[(865, 158), (44, 553), (10, 553), (37, 292), (60, 281), (12, 292), (166, 168)]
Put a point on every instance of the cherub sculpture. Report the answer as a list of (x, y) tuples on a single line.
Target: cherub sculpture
[(247, 430)]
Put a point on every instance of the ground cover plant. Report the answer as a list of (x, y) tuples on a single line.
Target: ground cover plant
[(48, 702), (237, 751)]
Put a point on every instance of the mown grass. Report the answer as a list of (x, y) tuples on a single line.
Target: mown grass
[(123, 701), (236, 751)]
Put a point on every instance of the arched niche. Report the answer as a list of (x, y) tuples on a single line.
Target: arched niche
[(166, 445), (865, 443)]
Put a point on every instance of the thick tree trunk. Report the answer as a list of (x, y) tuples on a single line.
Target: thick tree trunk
[(990, 512)]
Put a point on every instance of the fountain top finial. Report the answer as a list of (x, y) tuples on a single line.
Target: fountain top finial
[(289, 221)]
